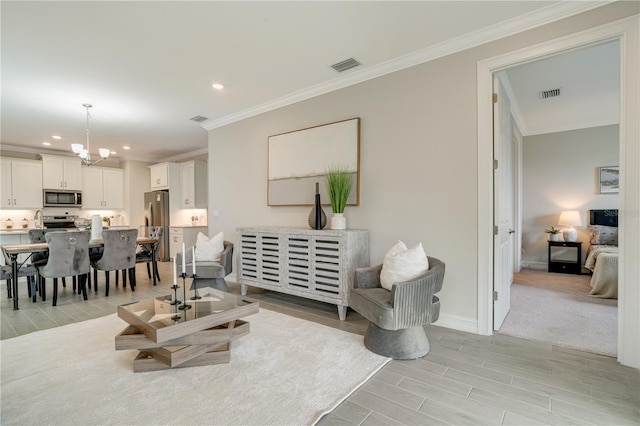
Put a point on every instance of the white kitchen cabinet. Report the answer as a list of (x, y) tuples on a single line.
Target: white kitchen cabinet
[(102, 188), (21, 184), (164, 175), (60, 172), (183, 234), (193, 182)]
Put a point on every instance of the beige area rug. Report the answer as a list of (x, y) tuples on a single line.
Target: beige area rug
[(286, 371), (557, 309)]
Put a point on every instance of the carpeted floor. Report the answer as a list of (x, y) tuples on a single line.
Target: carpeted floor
[(557, 309), (286, 371)]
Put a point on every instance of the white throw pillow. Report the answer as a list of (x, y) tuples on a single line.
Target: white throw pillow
[(403, 264), (209, 249)]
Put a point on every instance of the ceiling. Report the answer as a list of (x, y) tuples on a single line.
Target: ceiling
[(147, 67)]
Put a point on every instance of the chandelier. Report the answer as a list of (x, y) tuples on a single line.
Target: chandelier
[(83, 153)]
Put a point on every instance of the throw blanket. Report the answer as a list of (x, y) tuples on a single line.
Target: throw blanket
[(603, 261)]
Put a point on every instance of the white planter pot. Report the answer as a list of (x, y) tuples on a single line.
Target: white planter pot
[(338, 221), (554, 237)]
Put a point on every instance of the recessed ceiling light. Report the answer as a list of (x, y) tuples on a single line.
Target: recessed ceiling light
[(113, 152), (46, 143), (217, 86), (56, 137), (126, 147)]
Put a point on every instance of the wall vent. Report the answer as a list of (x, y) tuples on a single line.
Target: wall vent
[(545, 94), (347, 64), (198, 118)]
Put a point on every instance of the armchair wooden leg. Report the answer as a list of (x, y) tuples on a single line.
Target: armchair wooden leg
[(149, 271), (82, 285), (8, 288), (117, 277), (95, 280), (106, 279)]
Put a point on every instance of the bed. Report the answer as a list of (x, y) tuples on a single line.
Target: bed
[(602, 256)]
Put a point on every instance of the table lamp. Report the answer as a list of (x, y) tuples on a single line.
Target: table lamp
[(569, 219)]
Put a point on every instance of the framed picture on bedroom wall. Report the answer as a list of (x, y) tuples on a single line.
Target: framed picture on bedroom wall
[(300, 158), (608, 179)]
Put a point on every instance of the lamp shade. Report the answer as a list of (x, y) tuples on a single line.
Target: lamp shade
[(570, 218)]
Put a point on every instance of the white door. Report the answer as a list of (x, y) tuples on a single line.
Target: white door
[(503, 179)]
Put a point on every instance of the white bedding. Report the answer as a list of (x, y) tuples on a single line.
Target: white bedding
[(603, 261)]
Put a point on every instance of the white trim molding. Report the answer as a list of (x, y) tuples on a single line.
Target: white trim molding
[(542, 16), (455, 322), (626, 31)]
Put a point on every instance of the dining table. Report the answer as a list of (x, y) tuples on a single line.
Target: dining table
[(14, 250)]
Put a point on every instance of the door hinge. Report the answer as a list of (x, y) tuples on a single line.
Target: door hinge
[(495, 296), (495, 98), (495, 164), (495, 230)]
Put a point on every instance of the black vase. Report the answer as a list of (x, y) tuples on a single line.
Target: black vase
[(317, 218)]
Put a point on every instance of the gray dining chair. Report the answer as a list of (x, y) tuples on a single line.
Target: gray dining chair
[(119, 254), (28, 271), (146, 255), (40, 258), (68, 257)]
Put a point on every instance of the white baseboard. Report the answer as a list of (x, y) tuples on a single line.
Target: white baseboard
[(455, 322), (529, 264)]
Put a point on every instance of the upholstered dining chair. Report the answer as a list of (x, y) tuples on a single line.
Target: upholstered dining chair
[(40, 258), (146, 254), (68, 257), (29, 271), (396, 317), (210, 273), (119, 254)]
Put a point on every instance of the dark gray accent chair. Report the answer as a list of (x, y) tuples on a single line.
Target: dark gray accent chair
[(119, 254), (210, 274), (68, 256), (397, 317)]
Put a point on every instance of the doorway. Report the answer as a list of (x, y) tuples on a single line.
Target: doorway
[(626, 31)]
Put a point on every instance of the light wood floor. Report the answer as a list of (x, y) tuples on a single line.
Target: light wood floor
[(465, 379)]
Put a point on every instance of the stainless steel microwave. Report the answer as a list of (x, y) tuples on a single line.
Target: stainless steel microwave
[(57, 198)]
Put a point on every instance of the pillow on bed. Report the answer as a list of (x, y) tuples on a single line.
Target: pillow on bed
[(603, 235), (403, 264)]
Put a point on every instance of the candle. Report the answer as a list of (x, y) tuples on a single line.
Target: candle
[(175, 271), (193, 260), (184, 259)]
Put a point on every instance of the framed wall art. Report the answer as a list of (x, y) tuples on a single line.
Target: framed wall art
[(608, 179), (300, 158)]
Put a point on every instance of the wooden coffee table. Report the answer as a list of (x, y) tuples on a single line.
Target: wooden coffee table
[(168, 337)]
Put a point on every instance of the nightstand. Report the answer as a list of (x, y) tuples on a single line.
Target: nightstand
[(565, 266)]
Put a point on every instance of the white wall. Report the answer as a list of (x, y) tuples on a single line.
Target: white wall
[(418, 160), (560, 172), (137, 182)]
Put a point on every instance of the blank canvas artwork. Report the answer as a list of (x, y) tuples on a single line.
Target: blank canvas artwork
[(299, 159)]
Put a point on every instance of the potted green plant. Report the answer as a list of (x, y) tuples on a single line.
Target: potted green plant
[(554, 233), (339, 187)]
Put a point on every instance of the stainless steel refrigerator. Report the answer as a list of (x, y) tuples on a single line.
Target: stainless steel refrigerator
[(156, 214)]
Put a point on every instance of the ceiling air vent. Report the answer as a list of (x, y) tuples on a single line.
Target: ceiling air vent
[(347, 64), (546, 94), (198, 118)]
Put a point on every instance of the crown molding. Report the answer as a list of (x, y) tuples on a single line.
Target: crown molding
[(545, 15), (571, 126), (187, 155)]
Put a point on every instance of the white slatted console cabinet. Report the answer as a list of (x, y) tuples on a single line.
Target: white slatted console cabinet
[(308, 263)]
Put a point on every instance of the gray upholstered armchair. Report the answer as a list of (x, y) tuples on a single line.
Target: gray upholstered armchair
[(396, 317), (210, 273)]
